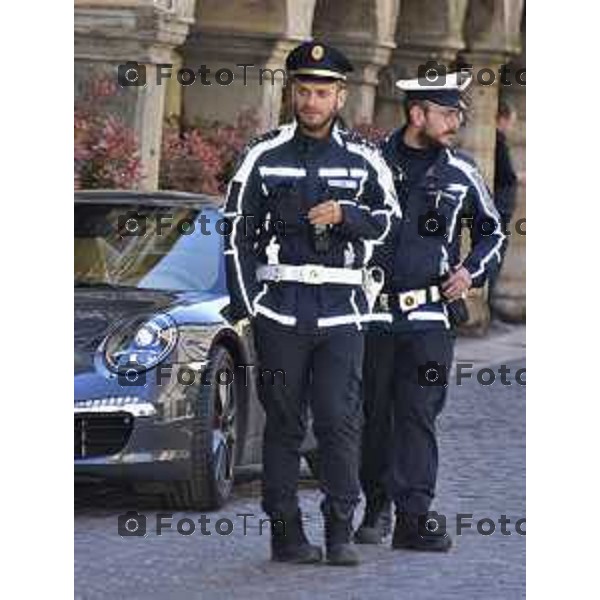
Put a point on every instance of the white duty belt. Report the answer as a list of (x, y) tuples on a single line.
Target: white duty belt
[(310, 274), (410, 299)]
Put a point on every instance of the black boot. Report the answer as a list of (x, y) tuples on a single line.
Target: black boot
[(376, 524), (408, 535), (289, 542), (338, 539)]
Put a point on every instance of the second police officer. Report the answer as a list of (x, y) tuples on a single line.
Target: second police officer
[(307, 204), (408, 354)]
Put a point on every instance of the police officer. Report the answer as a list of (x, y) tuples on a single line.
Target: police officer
[(308, 202), (408, 353)]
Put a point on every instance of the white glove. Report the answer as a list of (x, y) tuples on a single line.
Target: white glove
[(241, 326)]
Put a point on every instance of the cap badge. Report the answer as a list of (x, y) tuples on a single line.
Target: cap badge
[(317, 52)]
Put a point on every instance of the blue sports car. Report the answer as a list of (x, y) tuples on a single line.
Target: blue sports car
[(165, 388)]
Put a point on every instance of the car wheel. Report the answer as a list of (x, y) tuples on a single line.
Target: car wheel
[(214, 437)]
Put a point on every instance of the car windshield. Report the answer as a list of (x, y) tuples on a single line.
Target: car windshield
[(147, 247)]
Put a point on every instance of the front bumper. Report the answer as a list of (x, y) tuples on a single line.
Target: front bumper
[(121, 445)]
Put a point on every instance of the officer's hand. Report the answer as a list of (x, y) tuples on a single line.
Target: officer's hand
[(326, 213), (457, 284)]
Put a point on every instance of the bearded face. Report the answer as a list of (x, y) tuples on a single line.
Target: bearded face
[(316, 103), (436, 125)]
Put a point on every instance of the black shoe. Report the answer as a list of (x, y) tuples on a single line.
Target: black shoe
[(338, 540), (289, 542), (407, 536), (376, 524), (343, 555)]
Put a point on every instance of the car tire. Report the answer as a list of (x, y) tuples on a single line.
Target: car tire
[(214, 438)]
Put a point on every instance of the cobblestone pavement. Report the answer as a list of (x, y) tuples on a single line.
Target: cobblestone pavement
[(482, 472)]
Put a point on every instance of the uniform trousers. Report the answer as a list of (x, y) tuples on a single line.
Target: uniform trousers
[(323, 369), (399, 445)]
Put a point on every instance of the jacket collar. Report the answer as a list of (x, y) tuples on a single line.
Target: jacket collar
[(308, 144)]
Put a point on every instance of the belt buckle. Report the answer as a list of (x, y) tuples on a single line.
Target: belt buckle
[(314, 275), (407, 300)]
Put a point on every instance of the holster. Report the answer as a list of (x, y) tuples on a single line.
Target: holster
[(458, 312)]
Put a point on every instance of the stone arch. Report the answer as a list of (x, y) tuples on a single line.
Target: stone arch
[(433, 26), (494, 25), (426, 30), (225, 34), (264, 17), (357, 19)]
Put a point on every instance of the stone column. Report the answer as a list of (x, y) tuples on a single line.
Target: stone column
[(510, 296), (478, 138), (109, 33), (174, 91), (257, 34), (367, 58), (258, 85), (493, 34)]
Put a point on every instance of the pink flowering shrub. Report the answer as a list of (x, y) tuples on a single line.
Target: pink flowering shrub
[(106, 149), (106, 153), (202, 158), (188, 162), (371, 132)]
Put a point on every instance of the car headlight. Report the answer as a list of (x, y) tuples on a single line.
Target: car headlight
[(140, 344)]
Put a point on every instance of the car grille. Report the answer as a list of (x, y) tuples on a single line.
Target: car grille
[(101, 434)]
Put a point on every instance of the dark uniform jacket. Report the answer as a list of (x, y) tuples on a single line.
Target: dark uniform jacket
[(450, 189), (281, 175)]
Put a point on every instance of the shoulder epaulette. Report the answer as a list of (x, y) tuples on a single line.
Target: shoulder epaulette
[(259, 139)]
